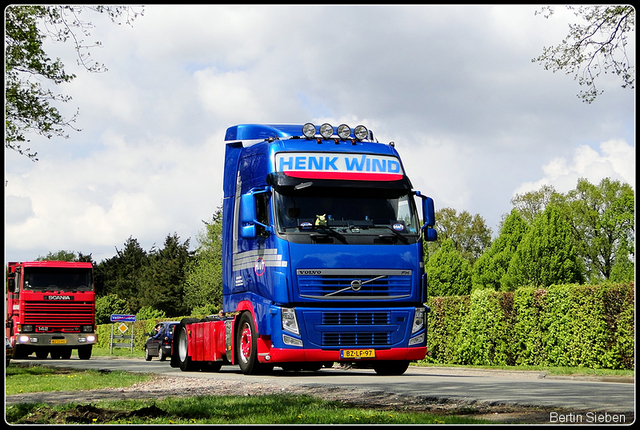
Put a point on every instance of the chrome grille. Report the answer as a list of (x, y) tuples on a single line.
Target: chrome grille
[(354, 284)]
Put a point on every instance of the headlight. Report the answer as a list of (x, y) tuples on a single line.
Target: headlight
[(418, 320), (309, 130), (361, 132), (326, 130), (344, 132), (289, 321)]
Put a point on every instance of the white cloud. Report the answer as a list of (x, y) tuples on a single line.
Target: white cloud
[(616, 160)]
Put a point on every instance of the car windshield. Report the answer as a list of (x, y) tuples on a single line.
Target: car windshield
[(347, 210), (57, 279)]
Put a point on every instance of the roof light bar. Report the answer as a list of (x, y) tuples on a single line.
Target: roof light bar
[(344, 132)]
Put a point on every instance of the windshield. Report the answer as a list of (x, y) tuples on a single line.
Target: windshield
[(57, 279), (358, 212)]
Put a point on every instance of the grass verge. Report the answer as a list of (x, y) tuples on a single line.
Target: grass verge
[(259, 409), (30, 379)]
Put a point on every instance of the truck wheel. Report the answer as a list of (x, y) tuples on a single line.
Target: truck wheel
[(182, 343), (247, 347), (84, 352), (391, 368), (175, 362)]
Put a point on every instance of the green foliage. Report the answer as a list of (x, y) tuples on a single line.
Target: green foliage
[(203, 278), (148, 313), (547, 254), (595, 45), (492, 265), (162, 278), (485, 336), (469, 234), (109, 305), (559, 326), (602, 217), (448, 272), (28, 104)]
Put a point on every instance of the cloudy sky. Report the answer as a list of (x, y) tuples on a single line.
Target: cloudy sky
[(453, 86)]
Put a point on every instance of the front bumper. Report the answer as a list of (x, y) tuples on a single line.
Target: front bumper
[(72, 340), (287, 355)]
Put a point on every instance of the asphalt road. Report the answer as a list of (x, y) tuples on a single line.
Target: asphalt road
[(494, 387)]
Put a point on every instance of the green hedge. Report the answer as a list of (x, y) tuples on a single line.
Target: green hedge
[(563, 325)]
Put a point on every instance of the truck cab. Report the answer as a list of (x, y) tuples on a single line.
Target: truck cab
[(323, 248)]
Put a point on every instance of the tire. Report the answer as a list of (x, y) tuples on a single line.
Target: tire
[(147, 355), (84, 352), (247, 347), (65, 353), (175, 355), (391, 368), (184, 361), (161, 355)]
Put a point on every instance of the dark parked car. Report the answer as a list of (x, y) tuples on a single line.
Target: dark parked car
[(159, 341)]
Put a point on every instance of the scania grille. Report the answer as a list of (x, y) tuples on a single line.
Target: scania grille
[(354, 284), (58, 316)]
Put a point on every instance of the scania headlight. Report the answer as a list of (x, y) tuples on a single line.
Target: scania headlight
[(326, 130), (289, 321), (418, 320), (309, 130), (344, 132)]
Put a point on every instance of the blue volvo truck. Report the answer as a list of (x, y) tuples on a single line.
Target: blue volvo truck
[(323, 255)]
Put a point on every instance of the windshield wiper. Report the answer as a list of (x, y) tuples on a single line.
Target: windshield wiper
[(397, 234), (332, 232)]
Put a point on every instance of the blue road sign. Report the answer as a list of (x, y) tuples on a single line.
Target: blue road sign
[(123, 318)]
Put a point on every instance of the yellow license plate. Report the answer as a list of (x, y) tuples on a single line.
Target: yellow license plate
[(58, 340), (357, 353)]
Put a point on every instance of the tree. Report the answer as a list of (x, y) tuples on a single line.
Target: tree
[(595, 47), (203, 283), (493, 264), (602, 218), (67, 256), (121, 274), (532, 203), (449, 273), (547, 254), (161, 283), (469, 234), (27, 102)]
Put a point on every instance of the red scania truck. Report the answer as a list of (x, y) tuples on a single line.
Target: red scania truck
[(323, 255), (51, 309)]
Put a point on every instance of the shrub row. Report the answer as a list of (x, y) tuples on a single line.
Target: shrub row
[(563, 325)]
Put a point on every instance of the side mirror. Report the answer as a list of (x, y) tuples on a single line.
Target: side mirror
[(429, 216), (248, 216), (11, 285), (428, 211)]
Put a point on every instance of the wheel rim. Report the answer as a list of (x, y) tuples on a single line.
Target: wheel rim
[(245, 343), (182, 349)]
